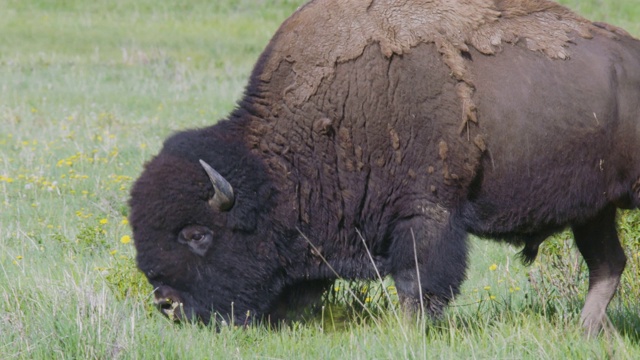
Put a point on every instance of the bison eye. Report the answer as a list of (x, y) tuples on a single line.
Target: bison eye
[(198, 238)]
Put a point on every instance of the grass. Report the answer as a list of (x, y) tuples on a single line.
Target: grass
[(88, 92)]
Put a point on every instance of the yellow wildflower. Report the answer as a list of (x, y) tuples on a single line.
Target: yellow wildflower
[(104, 221), (493, 267), (125, 239)]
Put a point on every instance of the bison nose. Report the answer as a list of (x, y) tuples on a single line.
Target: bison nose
[(169, 303)]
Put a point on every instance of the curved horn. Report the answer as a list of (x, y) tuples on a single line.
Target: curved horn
[(223, 198)]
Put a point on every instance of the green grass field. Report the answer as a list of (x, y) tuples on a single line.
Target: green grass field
[(88, 91)]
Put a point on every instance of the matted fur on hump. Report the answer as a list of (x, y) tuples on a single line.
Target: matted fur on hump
[(324, 33)]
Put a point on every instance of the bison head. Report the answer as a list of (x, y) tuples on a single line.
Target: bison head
[(196, 237)]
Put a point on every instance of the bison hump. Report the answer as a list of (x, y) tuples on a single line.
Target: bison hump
[(325, 33)]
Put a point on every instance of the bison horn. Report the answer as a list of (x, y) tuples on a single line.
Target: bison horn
[(223, 198)]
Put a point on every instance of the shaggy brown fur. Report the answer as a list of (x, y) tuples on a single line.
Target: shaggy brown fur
[(346, 159), (397, 26)]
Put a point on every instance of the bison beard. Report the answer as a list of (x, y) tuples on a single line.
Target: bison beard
[(381, 149)]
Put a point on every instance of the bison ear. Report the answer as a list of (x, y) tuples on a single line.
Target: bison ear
[(223, 199)]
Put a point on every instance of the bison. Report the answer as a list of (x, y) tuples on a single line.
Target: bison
[(374, 136)]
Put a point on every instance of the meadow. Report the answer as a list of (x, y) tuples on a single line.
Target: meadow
[(88, 92)]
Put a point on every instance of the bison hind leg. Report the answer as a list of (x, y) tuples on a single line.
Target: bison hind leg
[(599, 245)]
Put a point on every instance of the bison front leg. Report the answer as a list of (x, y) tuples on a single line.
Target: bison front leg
[(429, 260), (297, 298), (598, 243)]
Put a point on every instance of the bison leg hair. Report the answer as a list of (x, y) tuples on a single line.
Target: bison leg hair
[(598, 243), (296, 298), (429, 259)]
